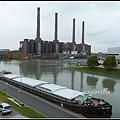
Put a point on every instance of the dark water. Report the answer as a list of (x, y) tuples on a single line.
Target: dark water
[(53, 71)]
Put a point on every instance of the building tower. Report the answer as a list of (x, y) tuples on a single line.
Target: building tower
[(38, 23), (73, 36), (56, 25), (55, 41), (83, 32), (83, 44), (38, 39), (73, 44)]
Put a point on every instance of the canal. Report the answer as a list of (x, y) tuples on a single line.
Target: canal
[(53, 71)]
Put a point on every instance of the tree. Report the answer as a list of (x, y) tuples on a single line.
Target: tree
[(8, 55), (19, 55), (92, 61), (110, 62)]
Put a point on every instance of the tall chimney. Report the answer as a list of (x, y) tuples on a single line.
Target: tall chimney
[(83, 32), (56, 17), (38, 23), (73, 37)]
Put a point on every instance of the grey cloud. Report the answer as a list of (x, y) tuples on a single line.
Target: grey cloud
[(20, 17), (98, 32)]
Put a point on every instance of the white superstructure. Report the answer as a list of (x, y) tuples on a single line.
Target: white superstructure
[(53, 89)]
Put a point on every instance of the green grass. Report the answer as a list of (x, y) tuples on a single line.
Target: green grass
[(97, 70), (25, 111), (2, 96)]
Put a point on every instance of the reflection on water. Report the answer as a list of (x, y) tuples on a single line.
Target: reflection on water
[(92, 81), (72, 80), (108, 83), (38, 68), (53, 71), (81, 83)]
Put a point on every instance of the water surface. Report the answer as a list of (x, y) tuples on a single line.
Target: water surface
[(53, 71)]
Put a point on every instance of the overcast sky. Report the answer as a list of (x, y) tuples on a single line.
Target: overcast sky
[(18, 21)]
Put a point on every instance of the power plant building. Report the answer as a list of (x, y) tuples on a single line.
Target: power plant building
[(38, 47)]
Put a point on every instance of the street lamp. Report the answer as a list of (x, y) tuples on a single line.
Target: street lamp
[(6, 92), (20, 83)]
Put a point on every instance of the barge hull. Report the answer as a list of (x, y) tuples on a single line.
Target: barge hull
[(87, 111)]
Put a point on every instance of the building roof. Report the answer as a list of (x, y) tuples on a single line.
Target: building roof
[(61, 91), (10, 76), (68, 93), (51, 87), (29, 81)]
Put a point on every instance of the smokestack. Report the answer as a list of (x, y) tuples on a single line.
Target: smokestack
[(73, 37), (56, 17), (38, 23), (83, 32)]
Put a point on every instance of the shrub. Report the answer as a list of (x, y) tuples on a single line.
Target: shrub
[(110, 62), (92, 61)]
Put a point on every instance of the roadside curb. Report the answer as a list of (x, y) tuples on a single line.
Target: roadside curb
[(20, 116)]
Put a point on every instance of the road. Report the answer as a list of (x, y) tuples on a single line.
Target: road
[(49, 109), (13, 114)]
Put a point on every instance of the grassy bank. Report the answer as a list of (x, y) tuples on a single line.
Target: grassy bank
[(25, 111), (97, 70)]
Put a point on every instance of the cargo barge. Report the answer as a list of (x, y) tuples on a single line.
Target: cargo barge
[(73, 100)]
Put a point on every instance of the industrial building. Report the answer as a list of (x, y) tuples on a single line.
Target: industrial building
[(39, 47), (114, 51)]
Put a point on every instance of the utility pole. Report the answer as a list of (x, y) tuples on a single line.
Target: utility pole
[(20, 83), (6, 92)]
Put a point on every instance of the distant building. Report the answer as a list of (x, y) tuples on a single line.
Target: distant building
[(114, 51), (2, 51), (38, 47), (13, 52), (100, 55)]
